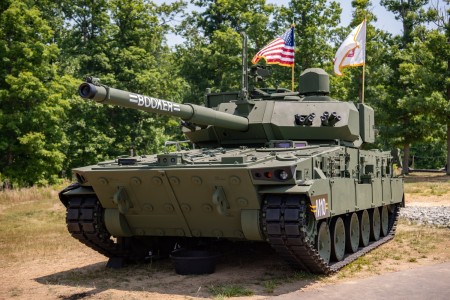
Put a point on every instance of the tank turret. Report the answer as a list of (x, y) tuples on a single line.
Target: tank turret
[(267, 116)]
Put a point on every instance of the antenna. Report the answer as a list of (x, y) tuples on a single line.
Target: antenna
[(244, 87)]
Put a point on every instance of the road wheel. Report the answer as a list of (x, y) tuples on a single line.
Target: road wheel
[(338, 239), (384, 221), (375, 224), (324, 242), (364, 222), (352, 233)]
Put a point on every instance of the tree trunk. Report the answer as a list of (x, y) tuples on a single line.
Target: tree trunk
[(405, 169), (448, 148), (447, 166)]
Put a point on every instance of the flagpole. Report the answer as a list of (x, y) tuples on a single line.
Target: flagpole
[(364, 69), (293, 77), (363, 77), (293, 65)]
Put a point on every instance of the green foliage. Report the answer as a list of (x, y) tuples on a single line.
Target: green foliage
[(429, 154), (316, 23), (32, 98), (211, 55), (412, 106), (47, 47), (127, 51)]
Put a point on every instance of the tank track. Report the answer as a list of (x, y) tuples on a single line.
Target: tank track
[(284, 220), (84, 220)]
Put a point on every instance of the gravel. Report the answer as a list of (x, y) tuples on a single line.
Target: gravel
[(438, 216)]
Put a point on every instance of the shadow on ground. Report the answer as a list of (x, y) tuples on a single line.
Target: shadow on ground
[(244, 268)]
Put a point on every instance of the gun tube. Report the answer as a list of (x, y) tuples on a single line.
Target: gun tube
[(188, 112)]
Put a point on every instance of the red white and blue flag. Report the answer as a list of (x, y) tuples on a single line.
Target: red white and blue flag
[(280, 51)]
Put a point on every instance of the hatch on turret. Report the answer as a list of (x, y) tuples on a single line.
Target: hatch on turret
[(314, 82)]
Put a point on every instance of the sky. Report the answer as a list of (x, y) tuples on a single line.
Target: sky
[(386, 20)]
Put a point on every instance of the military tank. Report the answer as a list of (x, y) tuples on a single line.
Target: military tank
[(266, 165)]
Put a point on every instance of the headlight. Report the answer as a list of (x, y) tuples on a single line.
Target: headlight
[(283, 175), (279, 174)]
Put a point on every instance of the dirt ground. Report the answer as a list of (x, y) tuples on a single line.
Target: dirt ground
[(81, 274)]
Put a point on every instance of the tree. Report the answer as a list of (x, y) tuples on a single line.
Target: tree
[(33, 97), (349, 87), (123, 44), (442, 53), (409, 118), (211, 55), (315, 31)]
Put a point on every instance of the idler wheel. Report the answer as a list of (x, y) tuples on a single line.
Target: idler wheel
[(338, 239), (384, 221), (324, 242), (375, 224), (310, 227), (352, 233), (364, 222)]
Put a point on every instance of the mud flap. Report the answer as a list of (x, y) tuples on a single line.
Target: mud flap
[(251, 226), (116, 224)]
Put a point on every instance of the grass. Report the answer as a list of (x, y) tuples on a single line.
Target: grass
[(412, 244), (271, 281), (226, 291), (430, 184), (428, 188), (32, 227), (32, 224)]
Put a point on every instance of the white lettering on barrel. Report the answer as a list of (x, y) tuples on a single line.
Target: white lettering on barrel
[(147, 101), (140, 100), (154, 103), (133, 98)]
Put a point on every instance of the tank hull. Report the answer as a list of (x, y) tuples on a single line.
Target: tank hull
[(238, 194)]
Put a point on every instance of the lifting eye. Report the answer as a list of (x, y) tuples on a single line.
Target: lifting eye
[(80, 178)]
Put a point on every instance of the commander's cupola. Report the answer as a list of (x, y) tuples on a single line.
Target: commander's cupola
[(314, 85)]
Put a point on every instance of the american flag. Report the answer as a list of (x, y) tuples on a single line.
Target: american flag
[(279, 51)]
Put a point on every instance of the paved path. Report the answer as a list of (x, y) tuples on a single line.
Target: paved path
[(428, 282)]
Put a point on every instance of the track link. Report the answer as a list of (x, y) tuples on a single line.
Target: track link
[(285, 223), (84, 220)]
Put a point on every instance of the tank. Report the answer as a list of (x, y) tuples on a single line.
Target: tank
[(263, 165)]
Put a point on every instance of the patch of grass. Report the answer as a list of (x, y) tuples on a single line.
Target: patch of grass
[(273, 279), (299, 275), (426, 188), (226, 291), (32, 224), (270, 285), (411, 244), (15, 292), (360, 264), (438, 189)]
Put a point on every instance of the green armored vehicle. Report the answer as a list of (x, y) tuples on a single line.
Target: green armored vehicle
[(275, 166)]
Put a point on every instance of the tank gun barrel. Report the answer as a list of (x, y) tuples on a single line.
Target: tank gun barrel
[(188, 112)]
